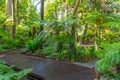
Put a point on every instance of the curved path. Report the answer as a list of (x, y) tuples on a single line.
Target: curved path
[(47, 69)]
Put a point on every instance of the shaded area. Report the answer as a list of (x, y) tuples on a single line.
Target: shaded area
[(47, 69)]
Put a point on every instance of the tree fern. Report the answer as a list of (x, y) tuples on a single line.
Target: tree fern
[(111, 58)]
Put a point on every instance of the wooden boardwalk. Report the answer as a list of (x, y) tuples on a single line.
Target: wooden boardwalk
[(47, 69)]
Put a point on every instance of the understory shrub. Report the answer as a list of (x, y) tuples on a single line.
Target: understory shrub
[(111, 58), (85, 53), (33, 45), (8, 43)]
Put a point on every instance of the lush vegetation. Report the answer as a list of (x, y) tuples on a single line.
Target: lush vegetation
[(7, 72), (110, 62), (75, 30)]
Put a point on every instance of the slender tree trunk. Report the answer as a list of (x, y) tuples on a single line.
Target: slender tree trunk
[(41, 13), (63, 9), (14, 21), (41, 18), (8, 14), (95, 36), (17, 12)]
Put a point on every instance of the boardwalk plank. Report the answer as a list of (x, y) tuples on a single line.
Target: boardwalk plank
[(47, 68)]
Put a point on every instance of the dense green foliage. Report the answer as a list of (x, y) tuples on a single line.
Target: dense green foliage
[(110, 60), (7, 73), (111, 56), (75, 30)]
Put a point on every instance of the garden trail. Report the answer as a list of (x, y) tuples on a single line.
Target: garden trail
[(47, 69)]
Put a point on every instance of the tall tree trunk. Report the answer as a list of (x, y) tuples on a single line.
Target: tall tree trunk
[(17, 12), (41, 18), (95, 36), (10, 12), (14, 21), (41, 13), (63, 8), (8, 8)]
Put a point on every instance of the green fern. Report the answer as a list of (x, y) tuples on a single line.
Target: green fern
[(7, 72), (111, 58), (33, 45)]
